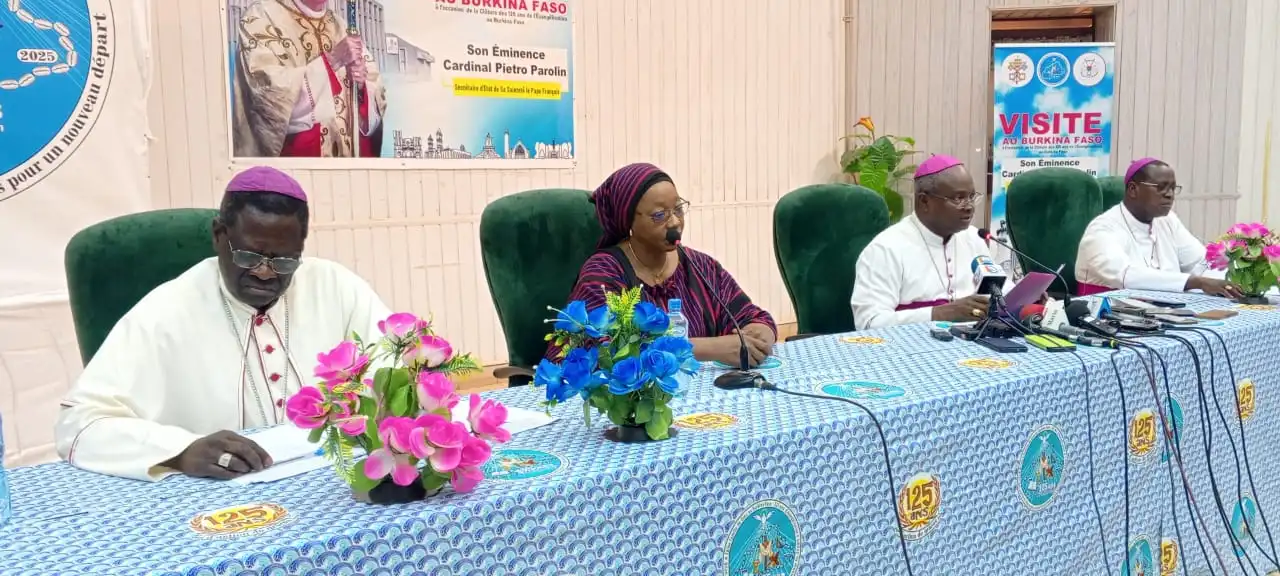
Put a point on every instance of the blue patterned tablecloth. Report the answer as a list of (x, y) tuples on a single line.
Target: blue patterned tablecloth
[(1014, 465)]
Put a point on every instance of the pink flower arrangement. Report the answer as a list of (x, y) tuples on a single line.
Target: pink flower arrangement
[(1250, 255), (393, 400)]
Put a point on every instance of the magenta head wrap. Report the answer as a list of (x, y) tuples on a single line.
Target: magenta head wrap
[(936, 164), (617, 197), (1136, 166), (266, 179)]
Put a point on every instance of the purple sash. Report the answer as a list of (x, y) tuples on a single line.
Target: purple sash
[(1087, 289), (918, 305)]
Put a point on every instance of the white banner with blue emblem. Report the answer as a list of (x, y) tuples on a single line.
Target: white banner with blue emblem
[(1053, 107), (73, 152)]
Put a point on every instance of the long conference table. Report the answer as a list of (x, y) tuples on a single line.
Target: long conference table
[(1002, 464)]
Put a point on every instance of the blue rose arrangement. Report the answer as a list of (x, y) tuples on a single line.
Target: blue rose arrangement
[(619, 360)]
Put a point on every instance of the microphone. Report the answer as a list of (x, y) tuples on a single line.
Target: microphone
[(1078, 316), (743, 377), (987, 275), (988, 236), (1033, 314)]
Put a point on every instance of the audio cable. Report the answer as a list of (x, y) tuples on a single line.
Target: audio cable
[(1206, 420), (1093, 492), (1244, 448), (1171, 445), (884, 445), (1177, 454)]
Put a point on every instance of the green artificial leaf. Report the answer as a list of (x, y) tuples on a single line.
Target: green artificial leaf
[(460, 365), (381, 379), (620, 410), (432, 480), (908, 140), (315, 435), (601, 399), (1255, 251), (401, 402), (586, 413), (658, 427), (360, 482), (644, 410)]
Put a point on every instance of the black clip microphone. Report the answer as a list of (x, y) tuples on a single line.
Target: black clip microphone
[(743, 377), (987, 235)]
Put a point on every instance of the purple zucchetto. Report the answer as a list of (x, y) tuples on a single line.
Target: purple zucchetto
[(936, 164), (1136, 166), (266, 179)]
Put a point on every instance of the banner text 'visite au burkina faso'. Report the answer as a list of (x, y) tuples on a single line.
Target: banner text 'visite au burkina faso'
[(1053, 108), (418, 83)]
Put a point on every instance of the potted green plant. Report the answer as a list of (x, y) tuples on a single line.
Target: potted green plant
[(879, 163)]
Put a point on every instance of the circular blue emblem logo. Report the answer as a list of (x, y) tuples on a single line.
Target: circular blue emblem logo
[(1175, 422), (1139, 560), (1053, 69), (1043, 467), (56, 59), (1243, 525), (769, 363), (514, 464), (860, 390), (765, 540)]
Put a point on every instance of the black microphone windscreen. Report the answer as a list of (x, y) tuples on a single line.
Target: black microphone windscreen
[(673, 235), (983, 233), (1077, 309)]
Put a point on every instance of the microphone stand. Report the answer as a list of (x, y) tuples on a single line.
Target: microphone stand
[(743, 377), (987, 235)]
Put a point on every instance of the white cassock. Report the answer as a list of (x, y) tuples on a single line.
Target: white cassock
[(906, 270), (189, 360), (1118, 251)]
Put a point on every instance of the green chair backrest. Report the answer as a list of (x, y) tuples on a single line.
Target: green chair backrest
[(532, 245), (818, 233), (1112, 191), (1048, 210), (111, 265)]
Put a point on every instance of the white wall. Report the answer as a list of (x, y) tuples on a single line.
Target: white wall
[(739, 105), (921, 68), (1260, 115)]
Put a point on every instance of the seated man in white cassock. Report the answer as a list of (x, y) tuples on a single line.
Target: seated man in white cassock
[(920, 269), (217, 349), (1141, 244)]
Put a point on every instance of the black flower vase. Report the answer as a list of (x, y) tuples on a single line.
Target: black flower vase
[(633, 433), (391, 493)]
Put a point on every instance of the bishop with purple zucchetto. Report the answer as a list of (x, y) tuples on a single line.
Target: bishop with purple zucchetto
[(920, 268), (217, 349)]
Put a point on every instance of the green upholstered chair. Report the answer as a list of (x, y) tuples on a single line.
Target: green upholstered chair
[(1048, 210), (1112, 191), (113, 264), (533, 244), (818, 233)]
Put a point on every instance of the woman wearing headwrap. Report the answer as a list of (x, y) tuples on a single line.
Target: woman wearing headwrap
[(636, 206), (1140, 244)]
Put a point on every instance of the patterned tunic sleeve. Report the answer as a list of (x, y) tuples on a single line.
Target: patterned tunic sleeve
[(601, 273), (745, 311)]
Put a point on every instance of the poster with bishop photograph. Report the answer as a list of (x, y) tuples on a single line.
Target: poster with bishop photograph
[(418, 83), (1053, 107)]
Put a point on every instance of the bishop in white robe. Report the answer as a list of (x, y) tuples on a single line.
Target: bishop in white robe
[(1141, 244), (217, 349), (920, 269)]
